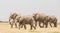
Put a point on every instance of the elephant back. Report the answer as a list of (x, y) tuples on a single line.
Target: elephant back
[(28, 19)]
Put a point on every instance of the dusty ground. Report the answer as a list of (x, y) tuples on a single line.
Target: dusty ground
[(5, 28)]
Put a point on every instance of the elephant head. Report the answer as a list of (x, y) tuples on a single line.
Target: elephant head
[(12, 17)]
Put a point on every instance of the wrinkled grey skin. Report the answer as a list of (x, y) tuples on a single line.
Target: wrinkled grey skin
[(40, 18), (13, 17), (26, 20), (51, 20)]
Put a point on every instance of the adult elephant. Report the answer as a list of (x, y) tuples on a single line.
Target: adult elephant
[(23, 20), (51, 20), (40, 18), (12, 19)]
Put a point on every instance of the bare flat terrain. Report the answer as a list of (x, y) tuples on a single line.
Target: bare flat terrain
[(5, 28)]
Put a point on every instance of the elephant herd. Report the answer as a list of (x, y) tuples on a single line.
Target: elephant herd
[(33, 20)]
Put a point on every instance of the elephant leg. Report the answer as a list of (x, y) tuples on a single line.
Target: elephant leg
[(46, 24), (55, 24), (9, 21), (40, 24), (50, 24), (24, 26), (11, 25), (19, 25), (32, 26), (36, 24), (16, 25), (15, 21), (43, 24)]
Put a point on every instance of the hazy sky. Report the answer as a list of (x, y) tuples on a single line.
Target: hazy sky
[(50, 7)]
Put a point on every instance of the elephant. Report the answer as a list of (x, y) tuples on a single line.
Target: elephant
[(12, 19), (45, 19), (40, 18), (51, 20), (24, 20)]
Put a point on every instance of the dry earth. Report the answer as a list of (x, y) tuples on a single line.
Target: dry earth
[(5, 28)]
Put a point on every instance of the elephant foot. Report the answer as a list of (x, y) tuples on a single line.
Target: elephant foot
[(30, 28), (11, 27), (41, 26), (55, 26), (21, 26), (25, 28)]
